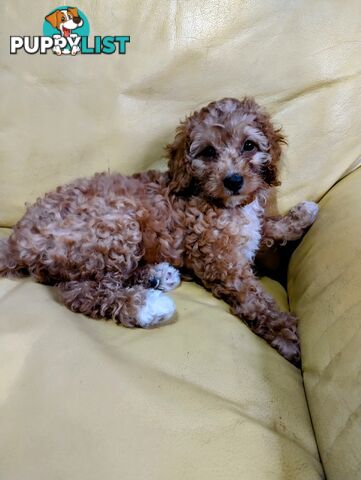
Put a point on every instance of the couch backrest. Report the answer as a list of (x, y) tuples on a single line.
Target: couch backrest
[(64, 117)]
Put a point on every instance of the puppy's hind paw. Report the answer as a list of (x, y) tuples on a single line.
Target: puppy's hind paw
[(288, 345), (164, 277), (157, 309)]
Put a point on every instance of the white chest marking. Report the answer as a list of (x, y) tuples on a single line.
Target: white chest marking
[(252, 230)]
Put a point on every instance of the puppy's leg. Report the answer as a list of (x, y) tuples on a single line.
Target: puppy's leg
[(108, 298), (160, 276), (291, 226), (259, 311)]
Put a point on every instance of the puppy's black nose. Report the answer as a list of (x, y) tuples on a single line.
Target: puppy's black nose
[(77, 20), (233, 182)]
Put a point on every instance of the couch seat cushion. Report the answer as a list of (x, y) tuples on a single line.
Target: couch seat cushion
[(202, 398)]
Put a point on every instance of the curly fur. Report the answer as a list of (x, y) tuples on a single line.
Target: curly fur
[(99, 239)]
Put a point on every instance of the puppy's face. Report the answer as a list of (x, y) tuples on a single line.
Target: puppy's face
[(227, 152)]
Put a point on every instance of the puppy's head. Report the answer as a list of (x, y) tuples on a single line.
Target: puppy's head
[(65, 20), (227, 152)]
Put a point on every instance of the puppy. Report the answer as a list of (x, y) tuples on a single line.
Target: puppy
[(111, 244), (65, 21)]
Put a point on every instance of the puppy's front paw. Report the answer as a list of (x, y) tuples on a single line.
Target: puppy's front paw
[(164, 277), (306, 212), (157, 309)]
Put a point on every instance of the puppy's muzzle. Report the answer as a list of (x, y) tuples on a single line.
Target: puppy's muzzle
[(233, 183)]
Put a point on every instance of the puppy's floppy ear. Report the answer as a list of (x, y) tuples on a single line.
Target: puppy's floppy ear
[(274, 136), (73, 11), (178, 161), (53, 19), (276, 140)]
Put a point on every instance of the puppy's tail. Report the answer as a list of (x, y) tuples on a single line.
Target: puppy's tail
[(9, 264)]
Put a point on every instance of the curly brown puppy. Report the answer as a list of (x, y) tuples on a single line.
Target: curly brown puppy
[(111, 244)]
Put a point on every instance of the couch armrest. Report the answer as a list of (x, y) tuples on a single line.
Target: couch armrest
[(325, 292)]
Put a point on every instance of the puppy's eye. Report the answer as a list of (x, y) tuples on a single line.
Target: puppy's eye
[(63, 19), (208, 152), (249, 146)]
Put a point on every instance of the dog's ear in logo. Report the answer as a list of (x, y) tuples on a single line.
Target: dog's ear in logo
[(53, 19), (75, 14)]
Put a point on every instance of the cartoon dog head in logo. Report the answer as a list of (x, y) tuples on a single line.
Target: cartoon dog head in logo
[(65, 20)]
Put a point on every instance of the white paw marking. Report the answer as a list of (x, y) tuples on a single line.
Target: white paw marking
[(158, 308), (167, 276)]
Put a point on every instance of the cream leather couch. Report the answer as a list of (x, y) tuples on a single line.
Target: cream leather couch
[(202, 398)]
